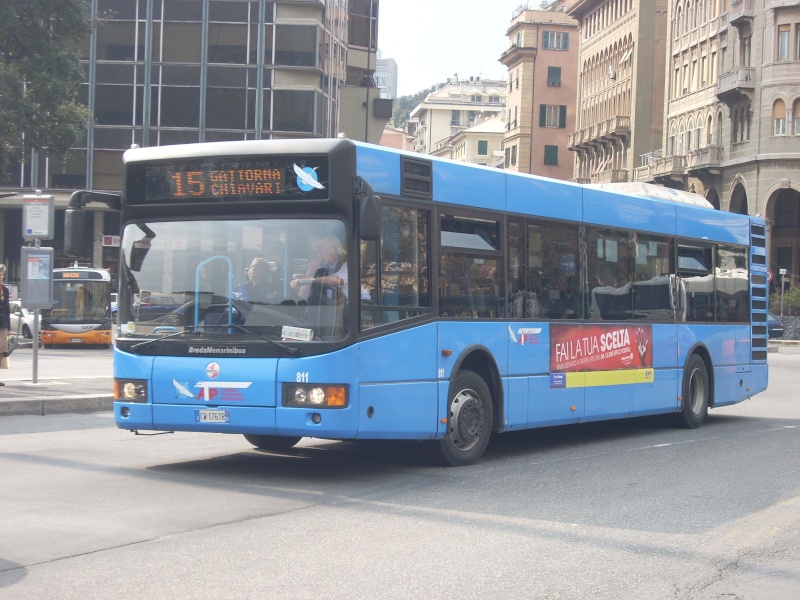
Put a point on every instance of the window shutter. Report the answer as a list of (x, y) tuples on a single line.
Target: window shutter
[(565, 46), (562, 116), (542, 115)]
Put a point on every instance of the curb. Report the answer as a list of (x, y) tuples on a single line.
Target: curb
[(54, 406)]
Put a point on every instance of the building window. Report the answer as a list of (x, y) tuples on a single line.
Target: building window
[(295, 45), (514, 155), (552, 115), (483, 147), (476, 99), (796, 113), (554, 76), (551, 155), (363, 23), (555, 40), (294, 110), (779, 118), (494, 99), (783, 42)]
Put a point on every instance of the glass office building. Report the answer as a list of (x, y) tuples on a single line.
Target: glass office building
[(162, 72)]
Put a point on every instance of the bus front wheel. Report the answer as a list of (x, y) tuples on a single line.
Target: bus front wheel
[(469, 422), (696, 392), (275, 443)]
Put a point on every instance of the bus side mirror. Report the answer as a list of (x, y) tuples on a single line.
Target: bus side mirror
[(74, 226), (369, 212)]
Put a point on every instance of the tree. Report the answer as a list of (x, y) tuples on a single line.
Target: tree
[(40, 76)]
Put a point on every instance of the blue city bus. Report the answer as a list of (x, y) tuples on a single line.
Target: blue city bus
[(480, 301)]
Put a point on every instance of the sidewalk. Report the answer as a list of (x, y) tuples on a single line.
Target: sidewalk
[(53, 396)]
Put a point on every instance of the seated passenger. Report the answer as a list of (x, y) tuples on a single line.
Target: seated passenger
[(329, 267), (260, 286)]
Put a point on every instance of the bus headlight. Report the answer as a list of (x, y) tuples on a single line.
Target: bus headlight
[(316, 396), (130, 390)]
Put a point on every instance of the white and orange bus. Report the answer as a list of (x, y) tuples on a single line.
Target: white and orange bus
[(81, 313)]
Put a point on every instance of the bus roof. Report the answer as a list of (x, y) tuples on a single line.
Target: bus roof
[(649, 190)]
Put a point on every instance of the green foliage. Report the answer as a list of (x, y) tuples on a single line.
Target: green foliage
[(403, 105), (40, 76), (791, 302)]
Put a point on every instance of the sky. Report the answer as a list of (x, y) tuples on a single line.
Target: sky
[(432, 40)]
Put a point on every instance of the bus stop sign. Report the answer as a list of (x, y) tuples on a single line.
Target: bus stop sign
[(38, 214)]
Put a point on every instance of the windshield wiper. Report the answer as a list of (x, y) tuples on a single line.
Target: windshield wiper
[(289, 351), (163, 337)]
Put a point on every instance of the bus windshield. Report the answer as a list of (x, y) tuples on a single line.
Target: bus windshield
[(279, 279), (79, 301)]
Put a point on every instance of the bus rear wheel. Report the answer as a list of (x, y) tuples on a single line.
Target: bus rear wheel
[(469, 422), (276, 443), (696, 392)]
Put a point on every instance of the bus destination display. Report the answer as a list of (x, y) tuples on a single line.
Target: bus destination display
[(235, 178)]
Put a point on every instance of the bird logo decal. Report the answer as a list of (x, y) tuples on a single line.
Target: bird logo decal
[(182, 388), (307, 178)]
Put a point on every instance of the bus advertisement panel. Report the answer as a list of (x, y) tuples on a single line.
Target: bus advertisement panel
[(369, 293)]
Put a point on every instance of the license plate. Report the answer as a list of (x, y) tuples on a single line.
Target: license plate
[(212, 416), (75, 341)]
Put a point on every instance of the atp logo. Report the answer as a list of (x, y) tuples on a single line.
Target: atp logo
[(212, 370), (307, 178)]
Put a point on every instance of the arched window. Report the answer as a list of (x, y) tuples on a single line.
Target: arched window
[(671, 142), (709, 132), (681, 145), (779, 118), (796, 116), (698, 134), (689, 146)]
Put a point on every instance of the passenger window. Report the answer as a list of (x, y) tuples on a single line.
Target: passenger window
[(609, 258), (471, 268), (696, 286), (395, 275), (653, 283), (732, 285)]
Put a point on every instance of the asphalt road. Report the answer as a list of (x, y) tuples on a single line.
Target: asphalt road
[(629, 509)]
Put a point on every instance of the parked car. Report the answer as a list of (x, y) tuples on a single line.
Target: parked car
[(774, 326), (153, 308), (22, 320), (113, 307)]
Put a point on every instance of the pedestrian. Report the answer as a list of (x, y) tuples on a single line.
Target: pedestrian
[(5, 321)]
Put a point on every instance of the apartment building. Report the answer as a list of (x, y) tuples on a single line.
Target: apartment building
[(733, 115), (457, 105), (481, 144), (620, 100), (182, 71), (542, 62)]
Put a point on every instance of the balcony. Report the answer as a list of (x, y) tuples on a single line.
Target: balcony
[(741, 12), (735, 84), (600, 133), (705, 159), (613, 176), (669, 167), (620, 126)]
